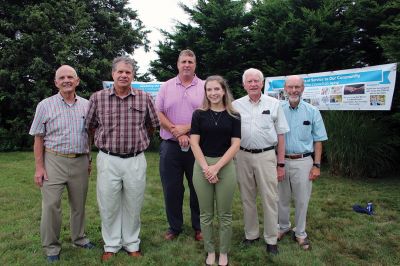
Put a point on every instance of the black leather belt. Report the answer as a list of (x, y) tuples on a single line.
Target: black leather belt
[(257, 150), (123, 156), (298, 156)]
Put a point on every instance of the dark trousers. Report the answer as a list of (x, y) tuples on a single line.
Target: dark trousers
[(175, 163)]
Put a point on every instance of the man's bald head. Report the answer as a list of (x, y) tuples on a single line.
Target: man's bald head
[(65, 67)]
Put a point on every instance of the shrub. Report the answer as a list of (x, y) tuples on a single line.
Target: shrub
[(360, 144)]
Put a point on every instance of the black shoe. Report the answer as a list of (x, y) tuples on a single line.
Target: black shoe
[(53, 258), (88, 245), (249, 242), (272, 249)]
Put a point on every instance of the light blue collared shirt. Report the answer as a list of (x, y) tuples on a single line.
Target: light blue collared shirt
[(306, 127)]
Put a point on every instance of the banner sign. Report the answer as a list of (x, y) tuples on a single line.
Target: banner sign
[(150, 87), (367, 88)]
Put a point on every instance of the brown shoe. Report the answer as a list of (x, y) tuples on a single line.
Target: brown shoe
[(107, 255), (304, 243), (198, 236), (135, 254), (169, 235)]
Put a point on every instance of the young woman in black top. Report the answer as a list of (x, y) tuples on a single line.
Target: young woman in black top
[(215, 139)]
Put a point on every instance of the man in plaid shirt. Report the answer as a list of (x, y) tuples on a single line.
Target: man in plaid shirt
[(122, 119)]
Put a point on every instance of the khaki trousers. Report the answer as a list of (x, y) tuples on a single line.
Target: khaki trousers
[(257, 172), (120, 192), (298, 185), (73, 174)]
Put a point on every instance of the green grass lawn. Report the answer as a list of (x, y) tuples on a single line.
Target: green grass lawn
[(339, 235)]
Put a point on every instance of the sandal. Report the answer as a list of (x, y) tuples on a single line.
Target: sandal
[(282, 234), (305, 243)]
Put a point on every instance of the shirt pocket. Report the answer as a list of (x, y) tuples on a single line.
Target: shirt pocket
[(109, 118), (304, 131), (137, 114), (265, 121), (81, 122)]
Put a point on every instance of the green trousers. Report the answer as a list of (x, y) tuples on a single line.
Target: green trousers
[(222, 194)]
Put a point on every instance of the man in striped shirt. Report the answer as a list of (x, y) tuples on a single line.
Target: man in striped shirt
[(122, 118), (62, 160)]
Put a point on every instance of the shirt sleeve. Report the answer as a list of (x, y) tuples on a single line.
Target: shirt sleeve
[(236, 130), (38, 126), (318, 129), (281, 125), (160, 98), (91, 121), (152, 118), (195, 126)]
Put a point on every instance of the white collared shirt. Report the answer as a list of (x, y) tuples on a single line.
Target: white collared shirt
[(261, 121)]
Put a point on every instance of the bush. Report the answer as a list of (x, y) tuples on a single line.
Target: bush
[(360, 144), (16, 137)]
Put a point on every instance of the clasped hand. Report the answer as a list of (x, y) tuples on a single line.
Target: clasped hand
[(178, 130), (211, 174)]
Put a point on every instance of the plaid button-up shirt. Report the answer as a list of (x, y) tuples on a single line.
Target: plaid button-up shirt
[(121, 123)]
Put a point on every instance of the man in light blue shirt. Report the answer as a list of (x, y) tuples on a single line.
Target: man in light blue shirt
[(307, 131)]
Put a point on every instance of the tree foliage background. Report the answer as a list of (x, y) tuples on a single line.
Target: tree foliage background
[(282, 37), (279, 37), (36, 37)]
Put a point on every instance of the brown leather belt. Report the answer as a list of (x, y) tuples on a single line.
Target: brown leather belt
[(69, 155), (298, 156)]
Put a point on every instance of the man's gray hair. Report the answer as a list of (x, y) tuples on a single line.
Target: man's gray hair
[(126, 60), (253, 71)]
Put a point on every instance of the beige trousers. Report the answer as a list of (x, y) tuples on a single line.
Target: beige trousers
[(73, 174), (296, 184), (120, 192), (256, 172)]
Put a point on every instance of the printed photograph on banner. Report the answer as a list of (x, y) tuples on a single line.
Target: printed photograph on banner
[(354, 89), (336, 99), (336, 90), (377, 100), (325, 91), (315, 101)]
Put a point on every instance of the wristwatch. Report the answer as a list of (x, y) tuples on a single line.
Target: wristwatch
[(281, 165), (318, 165)]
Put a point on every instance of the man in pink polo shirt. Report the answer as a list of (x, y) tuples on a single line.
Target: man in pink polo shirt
[(176, 101)]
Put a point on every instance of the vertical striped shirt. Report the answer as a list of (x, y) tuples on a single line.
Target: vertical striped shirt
[(121, 123), (261, 122), (62, 125)]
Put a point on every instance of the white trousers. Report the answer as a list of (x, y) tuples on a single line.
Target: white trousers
[(120, 192), (298, 185)]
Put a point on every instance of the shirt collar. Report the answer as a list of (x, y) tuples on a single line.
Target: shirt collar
[(194, 80), (252, 102), (298, 106), (59, 96), (112, 91)]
